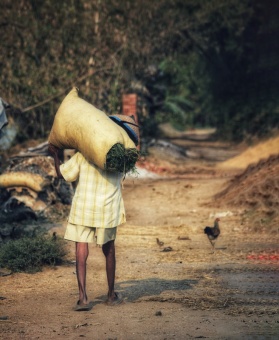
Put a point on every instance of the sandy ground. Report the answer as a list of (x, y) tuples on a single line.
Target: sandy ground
[(187, 293)]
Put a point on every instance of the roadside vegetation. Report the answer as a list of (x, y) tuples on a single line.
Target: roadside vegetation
[(30, 254), (193, 63)]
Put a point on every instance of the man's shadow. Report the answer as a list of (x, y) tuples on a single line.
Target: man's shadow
[(133, 290)]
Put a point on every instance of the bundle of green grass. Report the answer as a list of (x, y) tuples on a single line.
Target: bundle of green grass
[(120, 159), (81, 126)]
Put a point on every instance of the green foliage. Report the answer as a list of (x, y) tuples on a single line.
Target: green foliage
[(217, 62), (236, 63), (31, 254), (178, 101)]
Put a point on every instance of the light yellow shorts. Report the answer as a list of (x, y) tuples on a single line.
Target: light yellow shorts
[(79, 233)]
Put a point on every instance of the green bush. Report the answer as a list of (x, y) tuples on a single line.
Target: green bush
[(31, 254)]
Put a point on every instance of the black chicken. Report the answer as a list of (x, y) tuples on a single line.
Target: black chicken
[(213, 232)]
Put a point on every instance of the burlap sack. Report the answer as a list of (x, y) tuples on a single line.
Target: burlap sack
[(23, 179), (81, 126)]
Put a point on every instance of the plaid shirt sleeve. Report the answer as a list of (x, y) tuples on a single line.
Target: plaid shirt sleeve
[(70, 170)]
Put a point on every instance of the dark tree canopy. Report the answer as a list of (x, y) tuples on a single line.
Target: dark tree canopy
[(192, 62)]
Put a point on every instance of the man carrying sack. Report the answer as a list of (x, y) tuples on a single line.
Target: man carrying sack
[(97, 209)]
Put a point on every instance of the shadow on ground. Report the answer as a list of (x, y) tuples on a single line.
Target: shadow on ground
[(133, 290)]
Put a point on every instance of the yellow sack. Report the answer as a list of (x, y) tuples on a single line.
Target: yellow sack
[(81, 126), (23, 179)]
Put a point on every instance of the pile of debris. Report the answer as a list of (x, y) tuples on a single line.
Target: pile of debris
[(29, 189), (256, 189)]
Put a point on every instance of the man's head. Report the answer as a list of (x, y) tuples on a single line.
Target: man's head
[(128, 123)]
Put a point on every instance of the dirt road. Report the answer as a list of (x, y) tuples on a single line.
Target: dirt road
[(187, 293)]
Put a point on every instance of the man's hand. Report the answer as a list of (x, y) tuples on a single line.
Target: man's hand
[(53, 150)]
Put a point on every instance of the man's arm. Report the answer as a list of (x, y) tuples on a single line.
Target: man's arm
[(54, 152)]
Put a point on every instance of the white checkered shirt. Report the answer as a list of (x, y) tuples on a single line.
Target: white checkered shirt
[(97, 201)]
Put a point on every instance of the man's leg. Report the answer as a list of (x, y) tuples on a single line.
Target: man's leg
[(109, 252), (81, 257)]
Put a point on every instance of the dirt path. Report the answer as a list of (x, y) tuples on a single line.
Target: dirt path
[(186, 293)]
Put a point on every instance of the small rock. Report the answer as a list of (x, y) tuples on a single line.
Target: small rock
[(167, 249), (4, 317), (158, 313), (221, 214)]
